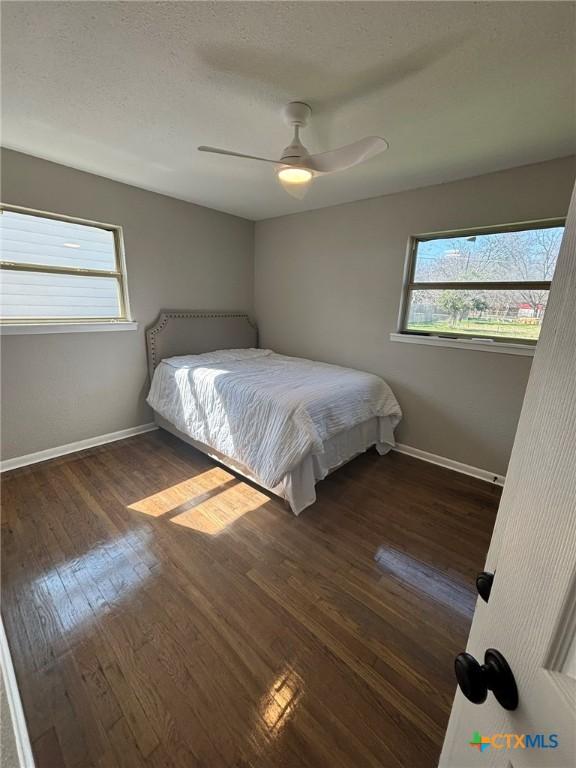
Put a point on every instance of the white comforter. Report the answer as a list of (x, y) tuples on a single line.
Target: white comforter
[(265, 410)]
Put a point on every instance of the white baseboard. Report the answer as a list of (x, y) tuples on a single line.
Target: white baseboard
[(79, 445), (91, 442), (457, 466), (21, 737)]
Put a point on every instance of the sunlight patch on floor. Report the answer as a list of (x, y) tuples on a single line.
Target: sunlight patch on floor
[(219, 511), (170, 498), (280, 702)]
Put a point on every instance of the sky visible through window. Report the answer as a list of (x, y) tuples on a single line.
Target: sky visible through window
[(504, 257)]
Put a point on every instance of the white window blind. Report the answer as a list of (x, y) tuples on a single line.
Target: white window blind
[(59, 270)]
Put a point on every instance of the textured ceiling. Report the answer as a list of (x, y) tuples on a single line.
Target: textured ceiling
[(129, 89)]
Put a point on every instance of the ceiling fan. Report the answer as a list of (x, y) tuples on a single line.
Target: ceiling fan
[(296, 168)]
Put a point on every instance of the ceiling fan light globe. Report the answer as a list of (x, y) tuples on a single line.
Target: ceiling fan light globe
[(291, 175), (296, 181)]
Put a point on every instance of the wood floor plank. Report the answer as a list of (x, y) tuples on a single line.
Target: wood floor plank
[(163, 612), (47, 751)]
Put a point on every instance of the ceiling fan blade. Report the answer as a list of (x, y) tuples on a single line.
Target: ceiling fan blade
[(217, 151), (348, 156)]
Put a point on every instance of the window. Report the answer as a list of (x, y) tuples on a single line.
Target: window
[(55, 269), (486, 284)]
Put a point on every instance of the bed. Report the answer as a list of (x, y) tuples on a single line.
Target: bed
[(283, 422)]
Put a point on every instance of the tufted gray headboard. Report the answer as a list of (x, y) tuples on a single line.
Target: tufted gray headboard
[(191, 332)]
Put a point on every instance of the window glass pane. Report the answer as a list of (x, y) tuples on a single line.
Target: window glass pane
[(504, 256), (35, 240), (507, 314), (40, 295)]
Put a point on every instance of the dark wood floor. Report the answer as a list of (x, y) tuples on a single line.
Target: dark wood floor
[(162, 612)]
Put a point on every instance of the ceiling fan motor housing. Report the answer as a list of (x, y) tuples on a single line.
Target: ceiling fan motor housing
[(294, 153), (296, 114)]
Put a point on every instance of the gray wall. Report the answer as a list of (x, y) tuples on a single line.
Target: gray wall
[(60, 388), (328, 286)]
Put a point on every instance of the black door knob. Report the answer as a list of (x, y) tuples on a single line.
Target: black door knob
[(494, 675), (484, 584)]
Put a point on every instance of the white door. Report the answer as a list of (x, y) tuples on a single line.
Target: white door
[(530, 617)]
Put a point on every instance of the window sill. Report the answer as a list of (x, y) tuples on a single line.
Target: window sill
[(33, 328), (503, 348)]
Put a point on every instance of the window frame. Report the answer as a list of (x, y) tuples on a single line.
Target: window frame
[(409, 284), (119, 273)]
